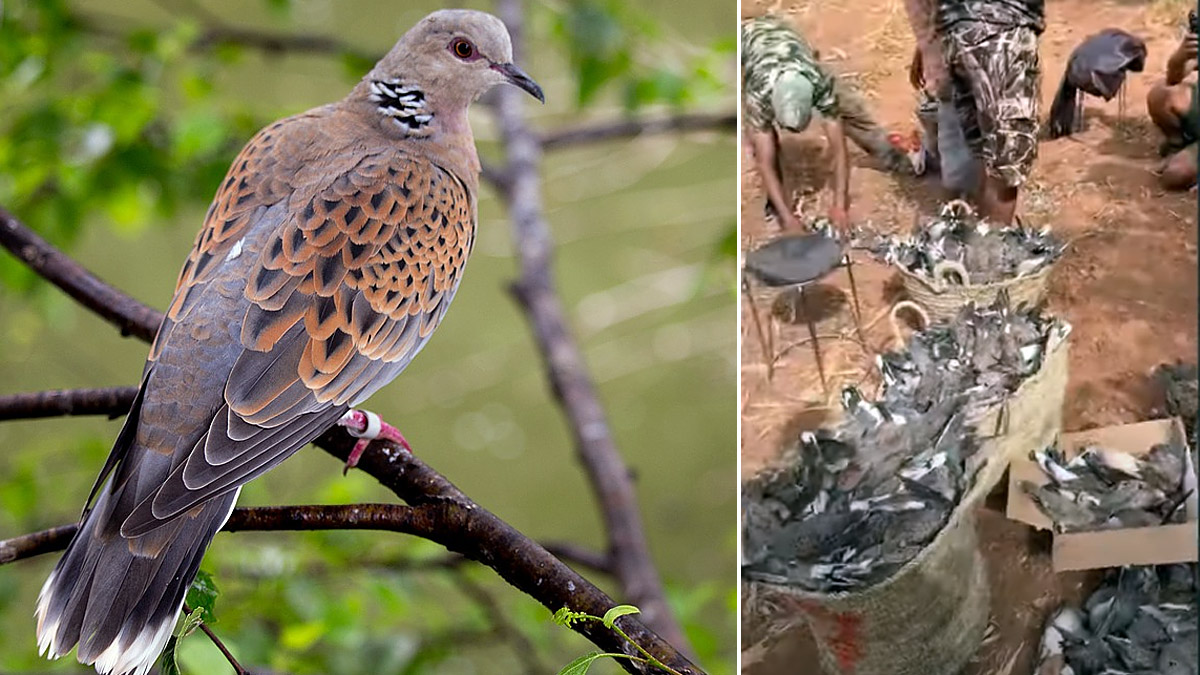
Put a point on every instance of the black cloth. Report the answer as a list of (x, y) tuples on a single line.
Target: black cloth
[(1097, 67)]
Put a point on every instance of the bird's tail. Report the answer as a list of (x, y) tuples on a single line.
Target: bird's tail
[(1062, 111), (118, 598)]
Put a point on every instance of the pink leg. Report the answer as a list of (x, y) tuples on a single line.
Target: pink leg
[(366, 427)]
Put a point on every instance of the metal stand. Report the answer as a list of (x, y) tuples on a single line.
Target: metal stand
[(766, 338)]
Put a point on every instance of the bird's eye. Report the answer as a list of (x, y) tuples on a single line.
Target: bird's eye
[(462, 48)]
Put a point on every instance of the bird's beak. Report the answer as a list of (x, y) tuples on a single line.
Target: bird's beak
[(518, 77)]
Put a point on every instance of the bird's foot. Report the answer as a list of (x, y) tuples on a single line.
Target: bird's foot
[(367, 426)]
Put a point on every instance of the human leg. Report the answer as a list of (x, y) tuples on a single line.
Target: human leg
[(1179, 170), (1002, 71), (1173, 111)]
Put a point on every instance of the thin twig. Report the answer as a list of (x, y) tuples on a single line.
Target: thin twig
[(214, 35), (279, 43), (132, 317), (35, 543), (505, 631), (629, 128), (237, 667), (461, 526), (565, 368), (108, 401), (580, 555)]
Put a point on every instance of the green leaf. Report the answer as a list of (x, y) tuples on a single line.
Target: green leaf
[(581, 665), (167, 665), (302, 636), (198, 132), (202, 596), (168, 661), (620, 610), (190, 623), (565, 617)]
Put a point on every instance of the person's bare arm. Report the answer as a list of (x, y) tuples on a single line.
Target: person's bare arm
[(1182, 61), (922, 20), (916, 69), (836, 136), (765, 153)]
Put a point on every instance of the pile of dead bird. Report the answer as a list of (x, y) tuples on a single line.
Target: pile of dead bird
[(989, 254), (1180, 383), (1102, 489), (984, 352), (1140, 620), (852, 506), (848, 507)]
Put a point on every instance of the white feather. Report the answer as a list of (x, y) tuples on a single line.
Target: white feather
[(144, 649)]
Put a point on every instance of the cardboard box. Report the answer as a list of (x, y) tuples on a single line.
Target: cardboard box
[(1159, 545)]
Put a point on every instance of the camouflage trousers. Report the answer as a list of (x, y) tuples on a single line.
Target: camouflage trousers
[(995, 83), (867, 133)]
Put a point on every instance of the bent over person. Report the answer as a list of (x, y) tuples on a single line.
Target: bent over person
[(991, 52), (1175, 111), (782, 84)]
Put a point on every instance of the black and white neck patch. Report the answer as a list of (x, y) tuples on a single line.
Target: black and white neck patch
[(403, 103)]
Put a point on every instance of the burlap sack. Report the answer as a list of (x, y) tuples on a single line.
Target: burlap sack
[(1030, 419), (927, 619)]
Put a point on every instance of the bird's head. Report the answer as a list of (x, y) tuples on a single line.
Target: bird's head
[(447, 60)]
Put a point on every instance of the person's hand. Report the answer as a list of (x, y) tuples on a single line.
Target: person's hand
[(916, 70), (1186, 51), (790, 222), (748, 149)]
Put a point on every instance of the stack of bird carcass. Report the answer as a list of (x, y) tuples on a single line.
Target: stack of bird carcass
[(1103, 488), (989, 254), (1140, 620), (956, 258), (874, 519)]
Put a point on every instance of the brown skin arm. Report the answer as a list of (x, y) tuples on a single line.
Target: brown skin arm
[(836, 136), (916, 69), (1182, 60), (766, 151)]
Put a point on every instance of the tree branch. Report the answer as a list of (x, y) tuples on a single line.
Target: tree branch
[(108, 401), (568, 376), (462, 525), (215, 33), (504, 630), (628, 128), (278, 43), (131, 316), (238, 669)]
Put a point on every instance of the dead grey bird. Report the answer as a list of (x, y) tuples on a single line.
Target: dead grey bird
[(988, 253), (1103, 489), (1179, 383), (986, 352), (1163, 467), (850, 506), (1131, 625)]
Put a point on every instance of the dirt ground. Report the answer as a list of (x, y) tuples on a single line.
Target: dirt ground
[(1128, 283)]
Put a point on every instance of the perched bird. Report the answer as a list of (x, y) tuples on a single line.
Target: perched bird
[(1097, 67), (329, 256)]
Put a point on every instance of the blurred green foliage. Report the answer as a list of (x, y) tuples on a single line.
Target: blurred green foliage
[(124, 120), (126, 124)]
